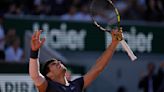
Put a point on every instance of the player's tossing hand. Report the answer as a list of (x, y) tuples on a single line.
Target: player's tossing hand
[(36, 42)]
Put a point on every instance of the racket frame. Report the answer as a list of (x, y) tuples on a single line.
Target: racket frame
[(122, 41)]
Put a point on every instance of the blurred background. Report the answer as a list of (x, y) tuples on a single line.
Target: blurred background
[(72, 38)]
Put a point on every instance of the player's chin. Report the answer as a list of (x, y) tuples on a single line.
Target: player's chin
[(64, 69)]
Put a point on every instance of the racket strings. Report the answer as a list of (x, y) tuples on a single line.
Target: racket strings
[(103, 13)]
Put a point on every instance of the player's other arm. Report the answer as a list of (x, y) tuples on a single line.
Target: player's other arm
[(34, 71), (102, 61)]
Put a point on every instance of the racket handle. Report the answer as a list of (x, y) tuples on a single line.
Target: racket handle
[(128, 50)]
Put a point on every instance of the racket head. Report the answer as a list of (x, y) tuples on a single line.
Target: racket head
[(104, 15)]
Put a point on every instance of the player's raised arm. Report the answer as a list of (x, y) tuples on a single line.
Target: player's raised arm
[(34, 70), (103, 60)]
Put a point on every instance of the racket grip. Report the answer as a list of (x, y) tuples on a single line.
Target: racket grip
[(128, 50)]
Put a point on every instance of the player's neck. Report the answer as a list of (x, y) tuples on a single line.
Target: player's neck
[(62, 80)]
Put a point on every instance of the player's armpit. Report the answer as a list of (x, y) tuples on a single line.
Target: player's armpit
[(43, 86)]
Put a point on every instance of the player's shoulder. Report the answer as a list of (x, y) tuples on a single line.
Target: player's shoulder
[(79, 80)]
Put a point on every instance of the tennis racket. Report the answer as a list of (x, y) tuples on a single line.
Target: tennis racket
[(106, 17)]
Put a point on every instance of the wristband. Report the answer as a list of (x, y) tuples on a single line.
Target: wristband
[(34, 54)]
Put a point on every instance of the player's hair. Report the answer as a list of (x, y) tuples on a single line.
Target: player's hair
[(45, 69)]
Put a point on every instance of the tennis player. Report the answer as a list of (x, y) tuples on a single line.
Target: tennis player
[(53, 78)]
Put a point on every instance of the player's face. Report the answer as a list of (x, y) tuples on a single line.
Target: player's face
[(57, 68)]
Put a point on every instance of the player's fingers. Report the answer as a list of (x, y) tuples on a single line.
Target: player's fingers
[(34, 35), (38, 33), (32, 38), (42, 42), (120, 29), (114, 32), (33, 47)]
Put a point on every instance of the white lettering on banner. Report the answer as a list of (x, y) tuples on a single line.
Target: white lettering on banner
[(16, 83), (137, 42), (20, 82), (63, 38)]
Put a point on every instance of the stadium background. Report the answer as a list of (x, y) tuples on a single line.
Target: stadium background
[(72, 37)]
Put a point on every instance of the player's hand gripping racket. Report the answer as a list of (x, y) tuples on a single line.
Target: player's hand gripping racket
[(106, 16)]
